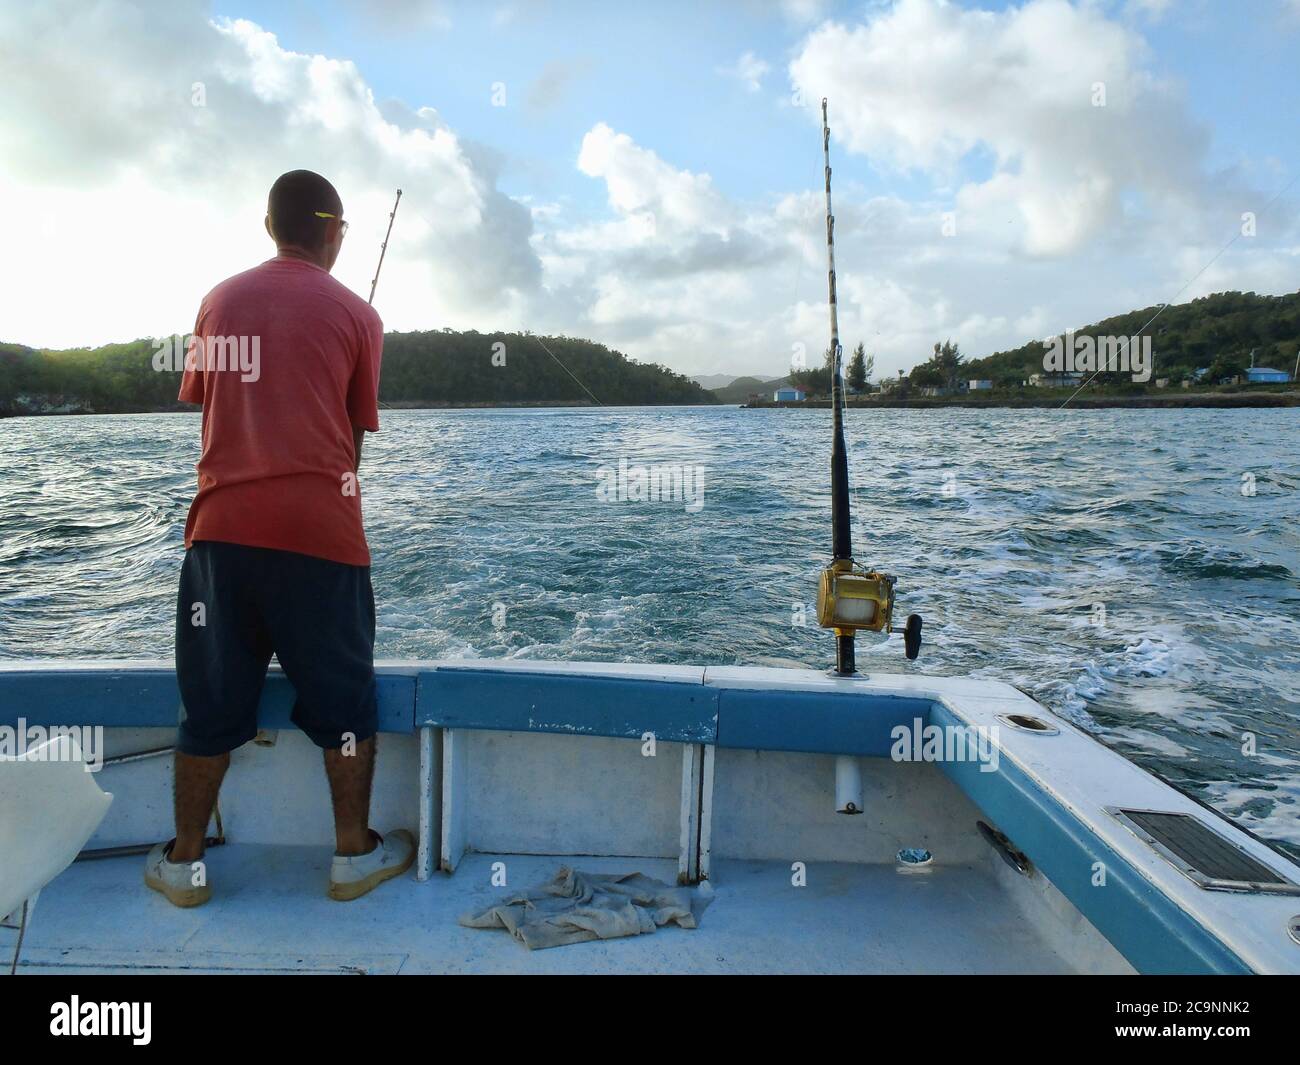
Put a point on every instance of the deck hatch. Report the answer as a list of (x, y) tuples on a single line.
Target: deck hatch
[(1202, 854)]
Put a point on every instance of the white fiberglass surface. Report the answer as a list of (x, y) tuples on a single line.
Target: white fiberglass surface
[(269, 912)]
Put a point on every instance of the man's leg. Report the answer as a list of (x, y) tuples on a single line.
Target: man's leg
[(362, 859), (198, 780), (321, 616), (222, 651), (350, 775)]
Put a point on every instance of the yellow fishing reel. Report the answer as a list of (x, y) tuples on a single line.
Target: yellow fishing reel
[(851, 599)]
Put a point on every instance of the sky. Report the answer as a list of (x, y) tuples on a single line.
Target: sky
[(650, 176)]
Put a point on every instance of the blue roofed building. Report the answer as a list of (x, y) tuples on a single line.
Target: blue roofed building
[(1265, 375)]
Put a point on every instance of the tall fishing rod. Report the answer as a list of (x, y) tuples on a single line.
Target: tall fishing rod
[(841, 533), (384, 246), (849, 598)]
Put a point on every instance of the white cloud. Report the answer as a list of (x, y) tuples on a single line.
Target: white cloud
[(749, 70), (640, 184), (681, 274), (101, 141), (101, 151), (927, 85)]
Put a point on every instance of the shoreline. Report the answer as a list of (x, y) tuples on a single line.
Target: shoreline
[(1204, 400), (540, 404), (1210, 400)]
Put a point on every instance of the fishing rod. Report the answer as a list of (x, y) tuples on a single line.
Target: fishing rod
[(384, 246), (849, 598), (382, 249)]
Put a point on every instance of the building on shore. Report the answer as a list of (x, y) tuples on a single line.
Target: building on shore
[(1055, 380), (789, 394), (979, 385), (1266, 375)]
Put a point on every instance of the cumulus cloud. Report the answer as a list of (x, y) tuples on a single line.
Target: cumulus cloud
[(683, 274), (643, 186), (154, 135), (132, 201), (1057, 97)]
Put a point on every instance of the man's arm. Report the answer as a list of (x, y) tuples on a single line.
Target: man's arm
[(192, 381), (363, 388)]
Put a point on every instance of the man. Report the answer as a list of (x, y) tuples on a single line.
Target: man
[(285, 361)]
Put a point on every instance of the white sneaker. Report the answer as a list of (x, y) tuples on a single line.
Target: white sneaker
[(350, 878), (176, 880)]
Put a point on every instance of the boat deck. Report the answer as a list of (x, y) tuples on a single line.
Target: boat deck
[(269, 913)]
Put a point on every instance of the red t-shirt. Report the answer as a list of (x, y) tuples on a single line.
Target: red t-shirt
[(295, 368)]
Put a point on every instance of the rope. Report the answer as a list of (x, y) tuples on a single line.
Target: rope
[(22, 931)]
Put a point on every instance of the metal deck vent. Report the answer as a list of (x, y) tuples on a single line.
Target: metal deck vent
[(1203, 855)]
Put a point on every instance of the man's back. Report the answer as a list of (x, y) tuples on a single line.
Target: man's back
[(295, 370), (276, 564)]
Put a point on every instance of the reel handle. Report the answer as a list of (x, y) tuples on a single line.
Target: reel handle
[(911, 635)]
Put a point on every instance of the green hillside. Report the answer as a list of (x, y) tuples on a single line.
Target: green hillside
[(1223, 327), (742, 388), (433, 368)]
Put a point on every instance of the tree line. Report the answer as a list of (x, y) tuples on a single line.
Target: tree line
[(857, 374), (1215, 334), (435, 367)]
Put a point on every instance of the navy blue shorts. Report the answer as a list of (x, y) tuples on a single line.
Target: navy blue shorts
[(316, 616)]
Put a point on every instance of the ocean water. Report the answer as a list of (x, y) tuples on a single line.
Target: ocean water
[(1136, 571)]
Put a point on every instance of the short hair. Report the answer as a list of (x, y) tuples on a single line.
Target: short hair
[(292, 205)]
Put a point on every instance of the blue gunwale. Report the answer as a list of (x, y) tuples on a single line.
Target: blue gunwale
[(569, 703), (815, 722), (123, 696), (1142, 922), (1146, 925)]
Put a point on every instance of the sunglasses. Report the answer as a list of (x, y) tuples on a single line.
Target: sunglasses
[(343, 225)]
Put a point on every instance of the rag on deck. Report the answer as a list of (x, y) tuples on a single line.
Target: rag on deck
[(573, 907)]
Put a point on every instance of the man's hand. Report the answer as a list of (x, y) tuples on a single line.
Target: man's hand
[(357, 435)]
